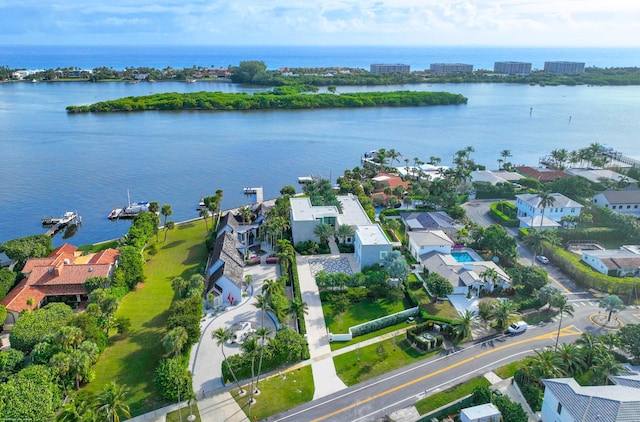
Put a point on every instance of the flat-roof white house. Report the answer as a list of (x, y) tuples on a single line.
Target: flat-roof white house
[(532, 215), (370, 243), (625, 201), (487, 412), (623, 262), (567, 401), (422, 242)]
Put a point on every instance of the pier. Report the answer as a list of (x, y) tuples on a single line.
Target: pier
[(618, 156), (57, 224), (255, 191)]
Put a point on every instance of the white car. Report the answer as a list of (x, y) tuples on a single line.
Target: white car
[(517, 327), (542, 259)]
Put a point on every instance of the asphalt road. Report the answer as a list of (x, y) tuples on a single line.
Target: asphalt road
[(383, 395), (402, 388)]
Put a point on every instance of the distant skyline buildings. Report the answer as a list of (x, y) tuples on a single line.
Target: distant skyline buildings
[(512, 68), (446, 68), (564, 68), (390, 68)]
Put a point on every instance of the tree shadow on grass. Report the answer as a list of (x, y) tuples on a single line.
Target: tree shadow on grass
[(173, 244)]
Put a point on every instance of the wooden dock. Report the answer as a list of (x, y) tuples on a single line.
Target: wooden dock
[(618, 156), (57, 224), (257, 191)]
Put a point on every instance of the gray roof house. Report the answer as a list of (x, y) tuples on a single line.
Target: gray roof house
[(423, 221), (625, 201), (421, 242), (224, 274), (567, 401), (623, 262), (532, 215)]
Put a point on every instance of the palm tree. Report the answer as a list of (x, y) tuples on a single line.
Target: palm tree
[(559, 301), (204, 213), (546, 364), (536, 238), (591, 347), (545, 199), (166, 211), (323, 231), (572, 359), (610, 340), (505, 153), (169, 225), (175, 340), (262, 333), (605, 365), (78, 409), (503, 313), (344, 232), (262, 304), (393, 155), (110, 403), (245, 212), (298, 308), (490, 274), (221, 336), (464, 324)]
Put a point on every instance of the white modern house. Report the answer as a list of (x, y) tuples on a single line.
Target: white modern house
[(422, 242), (532, 215), (567, 401), (625, 201), (487, 412), (370, 243), (623, 262)]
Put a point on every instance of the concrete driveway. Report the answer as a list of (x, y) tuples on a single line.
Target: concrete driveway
[(206, 357)]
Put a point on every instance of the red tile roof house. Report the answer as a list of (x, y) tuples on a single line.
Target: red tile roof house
[(383, 181), (62, 273)]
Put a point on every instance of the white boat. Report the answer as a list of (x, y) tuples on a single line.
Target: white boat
[(130, 211)]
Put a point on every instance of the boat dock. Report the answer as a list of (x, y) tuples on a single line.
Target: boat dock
[(56, 224), (255, 191), (618, 156)]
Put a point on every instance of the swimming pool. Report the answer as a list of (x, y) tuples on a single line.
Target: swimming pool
[(462, 257)]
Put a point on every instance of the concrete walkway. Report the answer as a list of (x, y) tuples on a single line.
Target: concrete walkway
[(325, 379)]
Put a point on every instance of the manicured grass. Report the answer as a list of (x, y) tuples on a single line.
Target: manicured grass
[(132, 359), (99, 246), (445, 397), (358, 313), (420, 293), (443, 309), (181, 415), (509, 370), (278, 394), (374, 362), (336, 345)]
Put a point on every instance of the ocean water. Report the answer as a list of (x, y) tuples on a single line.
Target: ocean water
[(119, 57), (54, 162)]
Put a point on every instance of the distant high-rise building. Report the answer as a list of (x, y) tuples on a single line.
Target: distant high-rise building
[(564, 68), (446, 68), (390, 68), (512, 68)]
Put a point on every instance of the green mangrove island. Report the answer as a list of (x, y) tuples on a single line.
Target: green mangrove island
[(278, 98)]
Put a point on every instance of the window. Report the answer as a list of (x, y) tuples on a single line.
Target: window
[(635, 207), (628, 206), (559, 409), (613, 207)]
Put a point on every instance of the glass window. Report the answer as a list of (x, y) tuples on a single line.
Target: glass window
[(559, 409)]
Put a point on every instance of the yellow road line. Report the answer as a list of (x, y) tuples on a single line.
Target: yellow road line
[(567, 331), (559, 284)]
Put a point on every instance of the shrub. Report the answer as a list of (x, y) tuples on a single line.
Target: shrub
[(33, 326), (172, 378)]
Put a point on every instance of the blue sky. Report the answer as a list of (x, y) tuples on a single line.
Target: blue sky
[(589, 23)]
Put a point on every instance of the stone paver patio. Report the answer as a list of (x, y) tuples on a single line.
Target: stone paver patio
[(330, 265)]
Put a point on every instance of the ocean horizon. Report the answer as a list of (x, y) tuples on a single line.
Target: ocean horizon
[(419, 58)]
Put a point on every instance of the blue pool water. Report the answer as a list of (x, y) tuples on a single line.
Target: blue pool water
[(462, 257)]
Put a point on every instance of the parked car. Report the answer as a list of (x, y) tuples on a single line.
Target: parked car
[(542, 259), (410, 320), (517, 327)]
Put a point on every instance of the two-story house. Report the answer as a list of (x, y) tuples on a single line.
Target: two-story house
[(532, 215)]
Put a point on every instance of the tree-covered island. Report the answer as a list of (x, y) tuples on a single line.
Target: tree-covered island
[(289, 97)]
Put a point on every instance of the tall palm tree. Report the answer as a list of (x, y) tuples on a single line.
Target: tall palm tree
[(110, 403), (298, 308), (490, 274), (545, 199), (393, 155), (262, 304), (204, 213), (262, 333), (591, 347), (174, 340), (221, 336), (169, 225), (605, 365), (465, 323), (546, 364), (559, 301), (610, 340), (344, 231), (323, 231), (166, 211), (503, 313), (245, 212), (572, 359)]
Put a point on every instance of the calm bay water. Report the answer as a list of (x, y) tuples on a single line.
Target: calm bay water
[(53, 162)]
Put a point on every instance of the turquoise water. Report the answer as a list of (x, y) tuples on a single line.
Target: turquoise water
[(462, 257)]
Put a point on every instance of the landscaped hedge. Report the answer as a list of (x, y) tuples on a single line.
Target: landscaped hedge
[(584, 275), (600, 234), (505, 213), (380, 323)]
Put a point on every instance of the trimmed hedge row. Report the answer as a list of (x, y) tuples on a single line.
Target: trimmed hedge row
[(584, 275), (499, 211)]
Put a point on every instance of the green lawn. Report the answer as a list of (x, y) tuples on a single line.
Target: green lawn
[(278, 394), (132, 359), (445, 397), (374, 362), (336, 345), (182, 414), (509, 370), (443, 309), (358, 313)]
